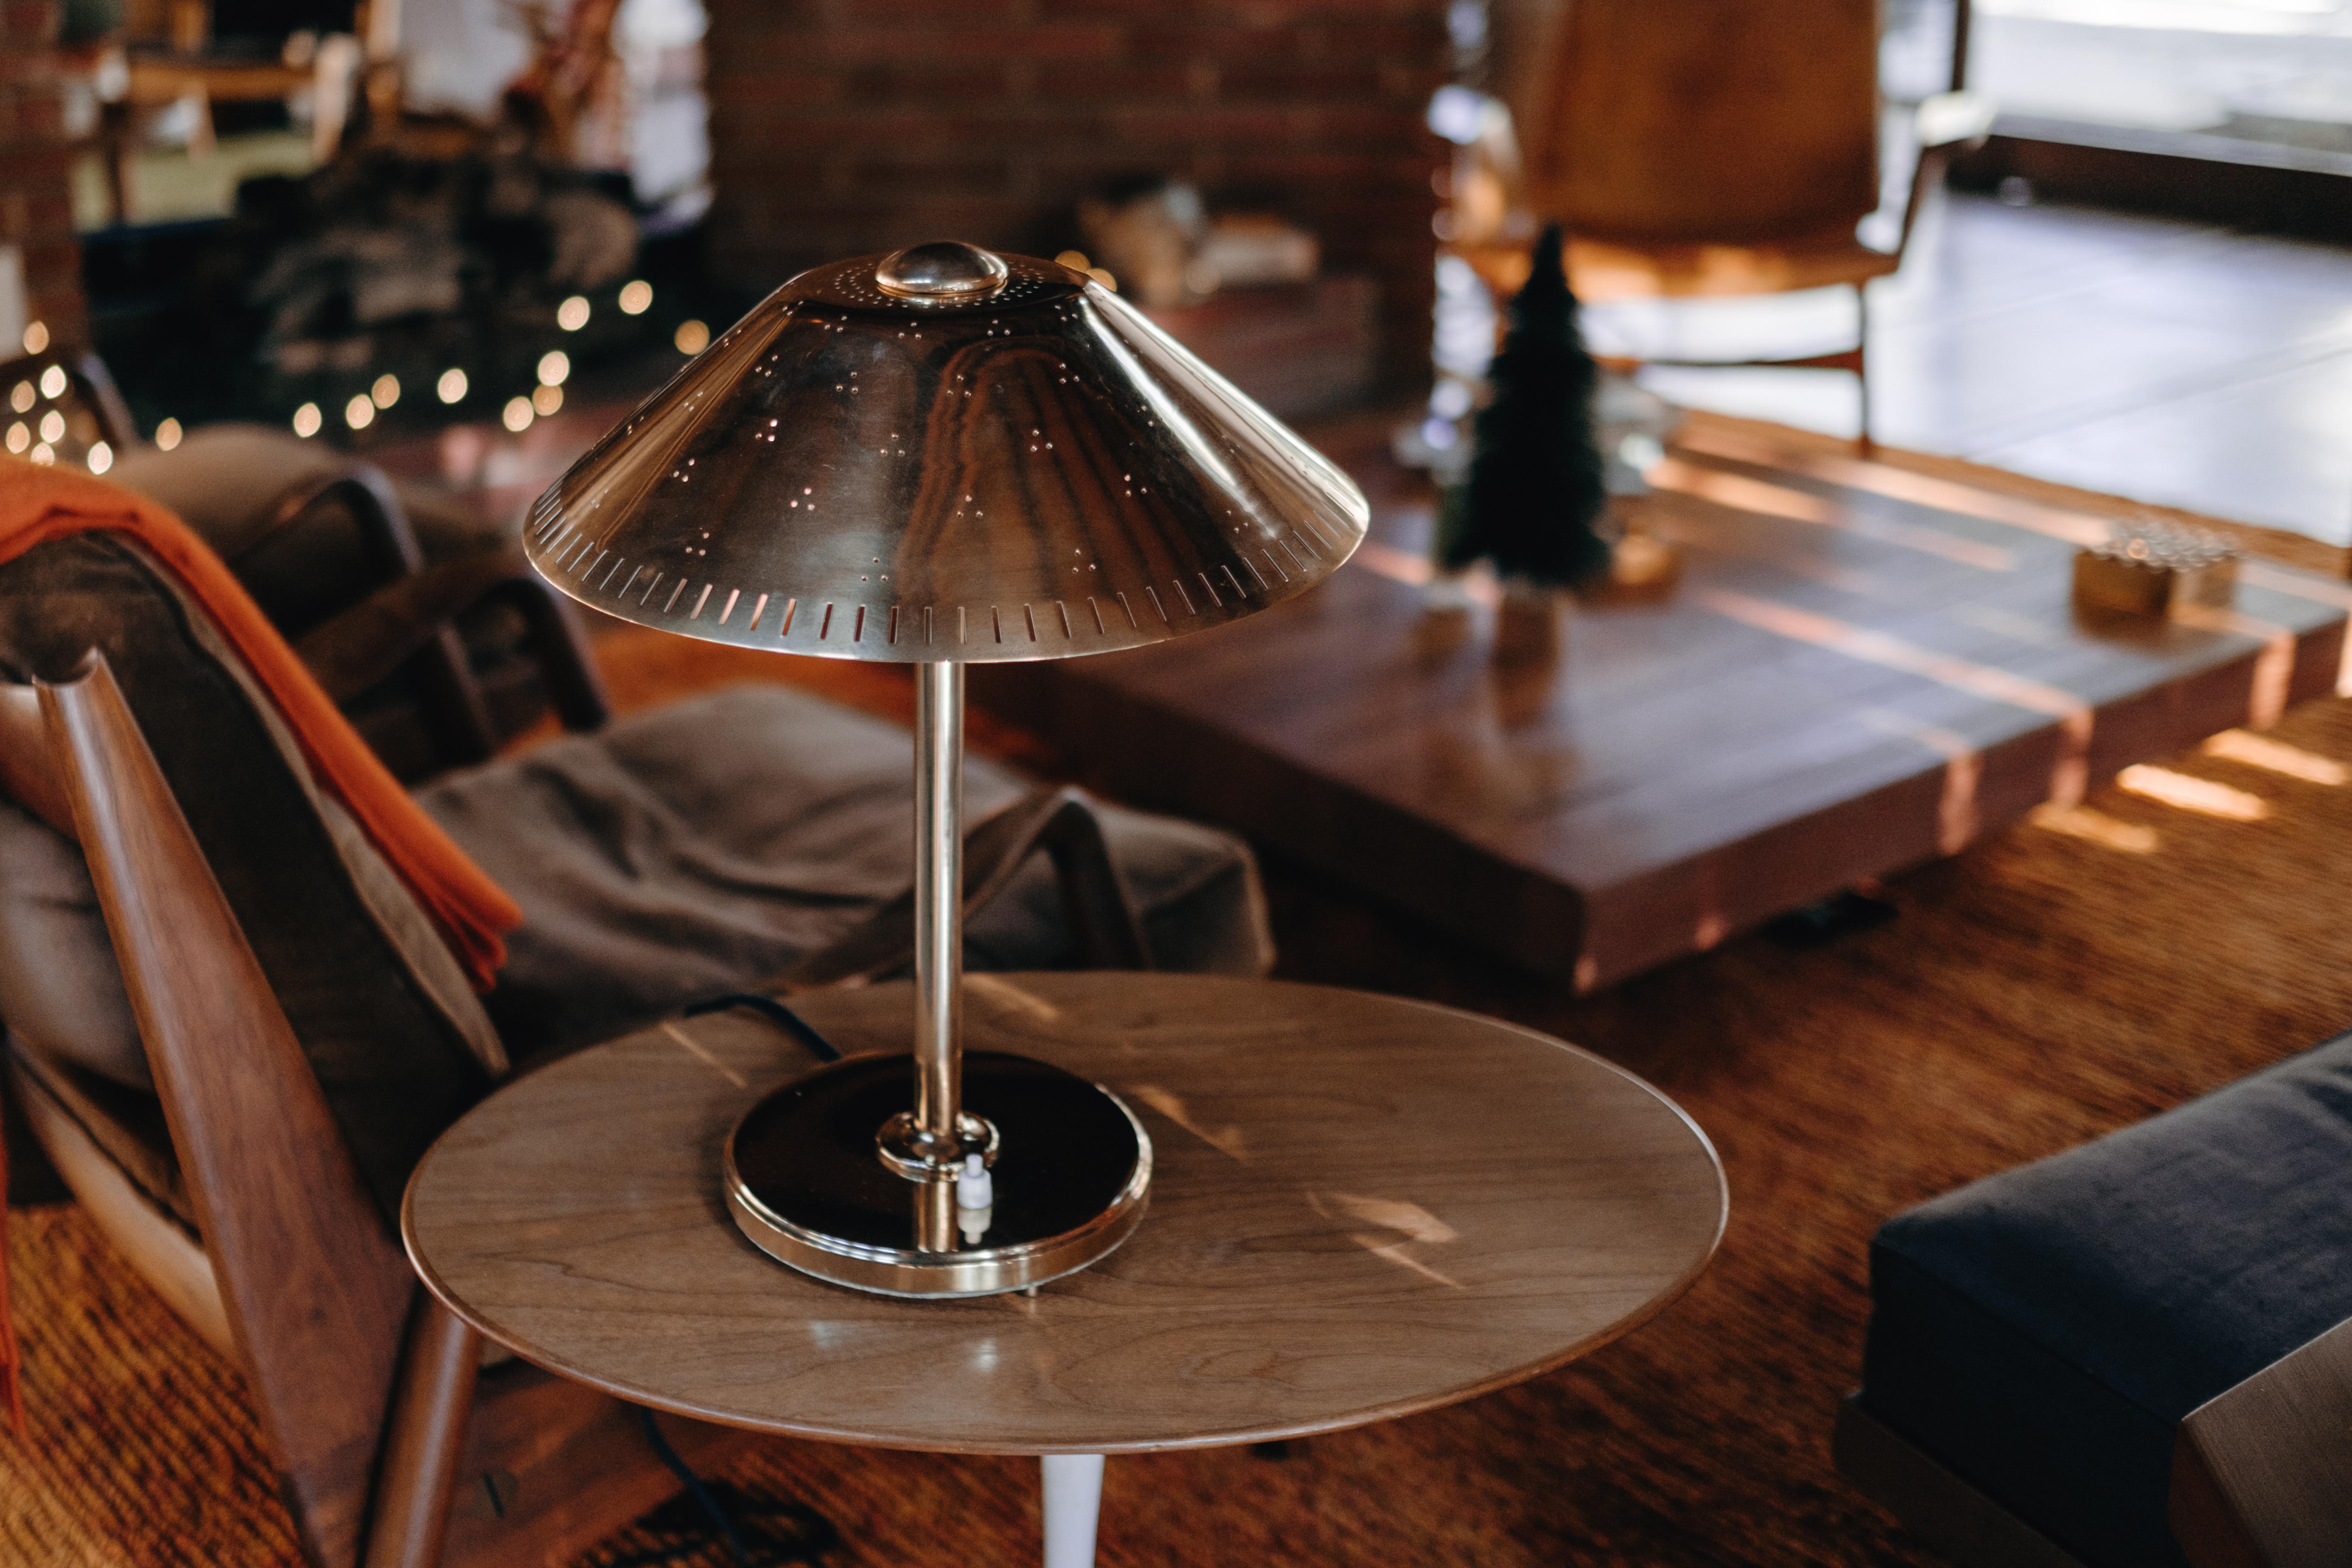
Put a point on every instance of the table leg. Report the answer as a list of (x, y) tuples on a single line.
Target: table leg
[(1073, 1505)]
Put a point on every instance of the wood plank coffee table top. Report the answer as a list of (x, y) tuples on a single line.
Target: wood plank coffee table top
[(1360, 1208), (1867, 663)]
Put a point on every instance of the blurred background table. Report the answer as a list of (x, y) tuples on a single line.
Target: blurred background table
[(1868, 663)]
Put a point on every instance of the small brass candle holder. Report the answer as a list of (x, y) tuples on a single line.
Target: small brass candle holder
[(2160, 571)]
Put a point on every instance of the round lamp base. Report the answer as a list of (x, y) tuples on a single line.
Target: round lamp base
[(1070, 1175)]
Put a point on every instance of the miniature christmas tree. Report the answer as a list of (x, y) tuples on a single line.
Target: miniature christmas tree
[(1534, 494)]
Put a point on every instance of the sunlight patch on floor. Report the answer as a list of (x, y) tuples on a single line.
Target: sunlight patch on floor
[(2097, 828), (2277, 756), (2186, 792)]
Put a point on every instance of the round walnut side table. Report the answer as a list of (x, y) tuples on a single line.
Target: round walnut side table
[(1361, 1208)]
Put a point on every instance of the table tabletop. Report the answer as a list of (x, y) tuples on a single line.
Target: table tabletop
[(1362, 1207), (1864, 667)]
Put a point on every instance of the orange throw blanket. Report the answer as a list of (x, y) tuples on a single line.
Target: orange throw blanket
[(471, 912)]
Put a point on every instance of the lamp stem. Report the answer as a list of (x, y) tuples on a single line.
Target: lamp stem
[(939, 900)]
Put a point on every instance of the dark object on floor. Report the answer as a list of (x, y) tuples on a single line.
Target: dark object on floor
[(764, 1532), (1824, 920), (2039, 1339), (707, 1507), (1534, 497), (771, 1530)]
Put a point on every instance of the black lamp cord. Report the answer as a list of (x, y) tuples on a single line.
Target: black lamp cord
[(824, 1049), (695, 1488), (776, 1013)]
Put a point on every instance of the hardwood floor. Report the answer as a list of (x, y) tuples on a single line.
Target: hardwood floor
[(2176, 364)]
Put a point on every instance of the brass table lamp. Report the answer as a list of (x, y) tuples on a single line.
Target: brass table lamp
[(938, 457)]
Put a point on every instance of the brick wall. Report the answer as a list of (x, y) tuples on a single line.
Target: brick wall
[(844, 126), (35, 207)]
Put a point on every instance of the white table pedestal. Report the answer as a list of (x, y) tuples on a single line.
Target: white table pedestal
[(1073, 1508)]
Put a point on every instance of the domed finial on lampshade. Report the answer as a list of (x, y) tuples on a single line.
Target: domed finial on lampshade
[(943, 269)]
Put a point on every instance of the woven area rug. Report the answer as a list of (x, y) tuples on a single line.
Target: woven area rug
[(2068, 978)]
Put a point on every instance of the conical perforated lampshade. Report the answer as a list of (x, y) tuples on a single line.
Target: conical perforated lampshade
[(944, 455)]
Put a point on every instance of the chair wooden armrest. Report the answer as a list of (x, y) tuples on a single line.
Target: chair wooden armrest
[(105, 399), (1946, 125), (367, 642), (453, 704), (2261, 1472), (317, 1287)]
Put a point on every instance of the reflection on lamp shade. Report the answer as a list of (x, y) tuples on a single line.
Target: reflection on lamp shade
[(1014, 466)]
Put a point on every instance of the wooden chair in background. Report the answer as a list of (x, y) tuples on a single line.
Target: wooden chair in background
[(337, 557), (170, 57), (1726, 148)]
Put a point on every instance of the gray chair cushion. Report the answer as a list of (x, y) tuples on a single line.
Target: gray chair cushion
[(2043, 1332), (60, 991), (703, 846)]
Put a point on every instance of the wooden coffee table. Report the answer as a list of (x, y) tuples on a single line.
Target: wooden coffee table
[(1867, 664), (1361, 1208)]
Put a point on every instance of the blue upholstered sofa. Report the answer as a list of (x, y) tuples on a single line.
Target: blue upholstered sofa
[(2038, 1339)]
